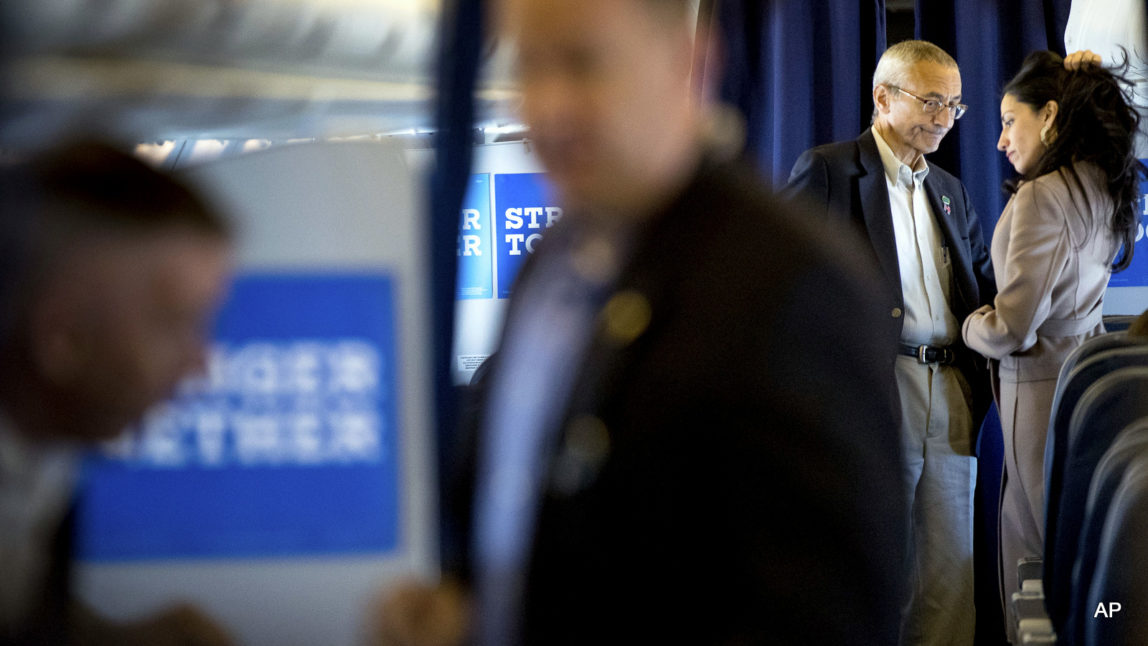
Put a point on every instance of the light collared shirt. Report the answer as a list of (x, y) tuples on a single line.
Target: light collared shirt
[(542, 351), (923, 257)]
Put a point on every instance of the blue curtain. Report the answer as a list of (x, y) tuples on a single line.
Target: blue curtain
[(800, 72), (989, 39)]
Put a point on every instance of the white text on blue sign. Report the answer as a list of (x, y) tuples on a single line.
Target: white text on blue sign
[(270, 404), (532, 219)]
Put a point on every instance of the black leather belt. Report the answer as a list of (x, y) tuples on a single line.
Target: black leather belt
[(930, 353)]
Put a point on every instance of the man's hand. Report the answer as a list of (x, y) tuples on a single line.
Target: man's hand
[(1082, 58), (413, 613)]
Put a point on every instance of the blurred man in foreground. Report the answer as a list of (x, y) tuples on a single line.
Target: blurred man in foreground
[(110, 274), (682, 440)]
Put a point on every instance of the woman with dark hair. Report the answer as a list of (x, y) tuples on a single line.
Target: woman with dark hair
[(1067, 127)]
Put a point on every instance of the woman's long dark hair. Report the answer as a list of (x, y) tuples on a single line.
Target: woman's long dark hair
[(1095, 122)]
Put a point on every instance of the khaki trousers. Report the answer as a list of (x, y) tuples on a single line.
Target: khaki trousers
[(1024, 409), (940, 475)]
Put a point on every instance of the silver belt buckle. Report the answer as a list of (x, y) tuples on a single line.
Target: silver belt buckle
[(921, 354)]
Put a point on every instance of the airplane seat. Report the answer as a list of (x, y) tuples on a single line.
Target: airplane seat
[(1062, 405), (1129, 443), (1114, 401), (1029, 602), (1094, 358), (1121, 564), (1027, 612), (1091, 347), (1118, 323)]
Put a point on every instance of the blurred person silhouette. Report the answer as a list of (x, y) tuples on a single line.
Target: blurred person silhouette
[(924, 232), (109, 274), (1068, 128), (1139, 327), (687, 434)]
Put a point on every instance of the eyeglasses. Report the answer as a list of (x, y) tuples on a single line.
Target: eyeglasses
[(932, 106)]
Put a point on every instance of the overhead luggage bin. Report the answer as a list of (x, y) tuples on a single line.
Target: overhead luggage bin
[(272, 69)]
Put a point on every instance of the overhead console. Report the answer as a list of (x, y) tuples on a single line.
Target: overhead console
[(158, 69)]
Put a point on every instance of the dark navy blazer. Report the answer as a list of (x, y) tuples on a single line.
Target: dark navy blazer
[(845, 181), (745, 487)]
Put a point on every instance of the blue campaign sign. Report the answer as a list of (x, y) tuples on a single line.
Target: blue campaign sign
[(287, 446), (475, 258), (524, 209), (1137, 273)]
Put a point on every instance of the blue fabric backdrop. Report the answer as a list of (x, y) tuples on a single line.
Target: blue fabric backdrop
[(989, 39), (801, 72)]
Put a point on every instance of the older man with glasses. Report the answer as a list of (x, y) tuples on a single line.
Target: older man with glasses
[(928, 241)]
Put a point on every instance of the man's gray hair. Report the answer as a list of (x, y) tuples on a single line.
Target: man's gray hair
[(893, 68)]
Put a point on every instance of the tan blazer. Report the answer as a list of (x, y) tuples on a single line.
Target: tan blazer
[(1052, 252)]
